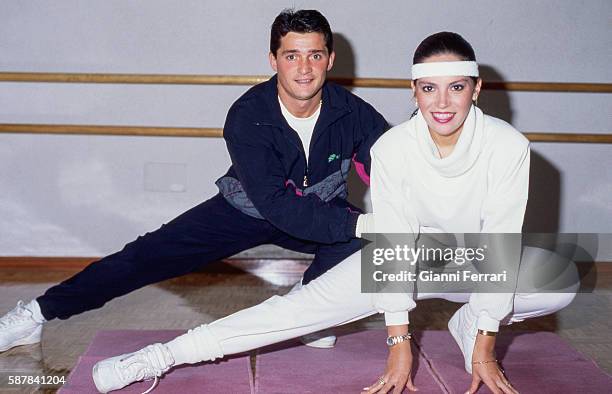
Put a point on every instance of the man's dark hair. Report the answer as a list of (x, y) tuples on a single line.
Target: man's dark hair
[(442, 43), (301, 21)]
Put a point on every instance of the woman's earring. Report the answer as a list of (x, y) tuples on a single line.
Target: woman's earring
[(475, 101)]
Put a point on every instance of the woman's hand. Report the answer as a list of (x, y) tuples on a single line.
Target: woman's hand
[(486, 370), (398, 372)]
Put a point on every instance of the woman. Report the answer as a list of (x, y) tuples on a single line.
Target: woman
[(448, 169)]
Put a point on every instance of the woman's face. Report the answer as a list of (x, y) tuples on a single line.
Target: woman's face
[(445, 101)]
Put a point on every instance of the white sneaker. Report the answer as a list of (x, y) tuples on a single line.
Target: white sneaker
[(462, 327), (19, 327), (321, 340), (117, 372)]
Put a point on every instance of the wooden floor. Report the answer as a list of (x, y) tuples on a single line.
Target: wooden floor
[(226, 287)]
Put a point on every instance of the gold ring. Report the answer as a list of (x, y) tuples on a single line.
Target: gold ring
[(381, 381)]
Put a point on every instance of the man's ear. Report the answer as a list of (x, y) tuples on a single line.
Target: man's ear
[(330, 63), (272, 59)]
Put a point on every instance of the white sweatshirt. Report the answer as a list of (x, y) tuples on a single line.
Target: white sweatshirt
[(481, 186)]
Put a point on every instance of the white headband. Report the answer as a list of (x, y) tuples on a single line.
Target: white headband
[(442, 69)]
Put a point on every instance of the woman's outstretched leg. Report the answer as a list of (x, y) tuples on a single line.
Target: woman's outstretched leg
[(332, 299)]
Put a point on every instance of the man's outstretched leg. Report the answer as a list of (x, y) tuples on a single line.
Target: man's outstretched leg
[(208, 232)]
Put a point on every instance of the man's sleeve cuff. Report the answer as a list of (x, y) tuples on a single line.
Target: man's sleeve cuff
[(359, 226), (487, 323), (352, 223), (396, 318)]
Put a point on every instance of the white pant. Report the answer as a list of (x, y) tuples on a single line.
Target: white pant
[(333, 299)]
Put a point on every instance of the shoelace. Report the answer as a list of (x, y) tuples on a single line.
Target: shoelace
[(139, 369), (20, 313), (143, 366), (153, 386)]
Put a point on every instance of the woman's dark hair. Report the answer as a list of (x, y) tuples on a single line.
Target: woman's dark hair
[(302, 21), (442, 43)]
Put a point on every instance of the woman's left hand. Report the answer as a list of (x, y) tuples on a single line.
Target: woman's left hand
[(493, 377), (486, 370), (397, 374)]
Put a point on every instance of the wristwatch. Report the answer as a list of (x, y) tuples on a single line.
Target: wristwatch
[(397, 339)]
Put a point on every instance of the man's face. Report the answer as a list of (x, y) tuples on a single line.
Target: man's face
[(301, 62)]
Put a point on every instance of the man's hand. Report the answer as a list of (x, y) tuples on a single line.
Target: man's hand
[(365, 224), (398, 372)]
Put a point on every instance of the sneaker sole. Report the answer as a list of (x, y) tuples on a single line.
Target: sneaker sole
[(94, 375), (319, 340), (97, 369), (317, 345), (31, 339)]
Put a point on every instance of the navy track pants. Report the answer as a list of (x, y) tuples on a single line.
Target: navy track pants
[(211, 231)]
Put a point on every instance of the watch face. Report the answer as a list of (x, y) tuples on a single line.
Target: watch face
[(390, 341)]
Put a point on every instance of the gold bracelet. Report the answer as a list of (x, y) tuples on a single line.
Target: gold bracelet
[(487, 333), (484, 362)]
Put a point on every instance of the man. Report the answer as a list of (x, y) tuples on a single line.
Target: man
[(291, 140)]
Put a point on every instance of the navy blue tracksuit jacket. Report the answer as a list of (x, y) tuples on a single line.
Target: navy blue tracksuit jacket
[(269, 177)]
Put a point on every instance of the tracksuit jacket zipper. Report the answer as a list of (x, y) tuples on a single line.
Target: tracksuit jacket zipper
[(299, 147)]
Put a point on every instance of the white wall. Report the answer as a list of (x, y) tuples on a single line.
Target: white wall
[(88, 195)]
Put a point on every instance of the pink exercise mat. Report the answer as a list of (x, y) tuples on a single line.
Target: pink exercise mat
[(535, 363)]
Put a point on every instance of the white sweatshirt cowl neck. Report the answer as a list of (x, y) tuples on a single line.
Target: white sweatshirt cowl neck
[(465, 152)]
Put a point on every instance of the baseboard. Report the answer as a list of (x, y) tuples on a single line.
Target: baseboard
[(58, 262), (78, 263)]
